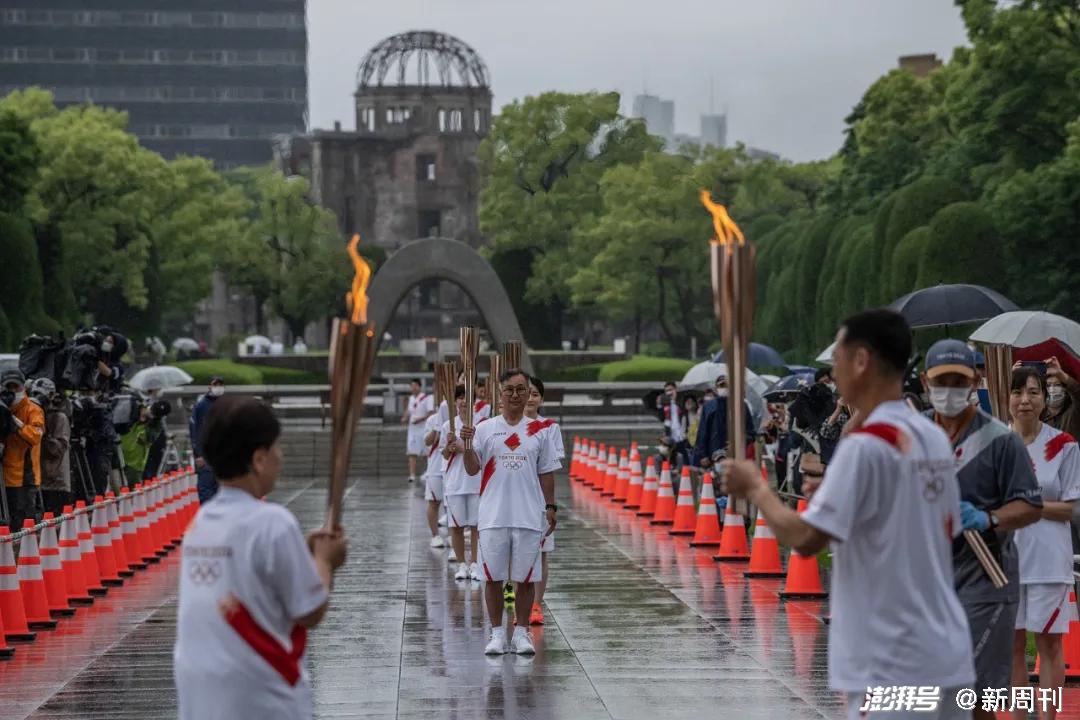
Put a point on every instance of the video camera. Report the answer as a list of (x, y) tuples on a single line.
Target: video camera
[(73, 364)]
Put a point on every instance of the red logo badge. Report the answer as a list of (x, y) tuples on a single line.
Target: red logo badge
[(513, 442)]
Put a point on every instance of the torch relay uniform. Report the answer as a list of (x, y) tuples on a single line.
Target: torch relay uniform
[(420, 406), (433, 473), (462, 489), (891, 503), (1045, 548), (247, 576), (512, 519)]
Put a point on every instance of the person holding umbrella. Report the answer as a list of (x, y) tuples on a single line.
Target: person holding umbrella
[(1062, 399), (207, 484)]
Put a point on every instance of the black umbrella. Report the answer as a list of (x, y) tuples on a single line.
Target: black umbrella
[(951, 305), (758, 355), (784, 388)]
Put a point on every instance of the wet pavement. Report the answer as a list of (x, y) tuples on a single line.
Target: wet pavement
[(639, 625)]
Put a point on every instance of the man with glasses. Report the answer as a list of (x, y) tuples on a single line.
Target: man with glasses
[(511, 452)]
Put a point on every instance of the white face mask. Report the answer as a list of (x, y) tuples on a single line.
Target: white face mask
[(721, 392), (217, 390), (1055, 396), (949, 402), (106, 347), (973, 399), (20, 396)]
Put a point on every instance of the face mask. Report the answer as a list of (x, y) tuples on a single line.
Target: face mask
[(949, 402), (721, 392), (973, 399), (106, 347), (1055, 396), (19, 397), (217, 391)]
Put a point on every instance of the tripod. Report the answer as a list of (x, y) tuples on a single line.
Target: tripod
[(82, 471)]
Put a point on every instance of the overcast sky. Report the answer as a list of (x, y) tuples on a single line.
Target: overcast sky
[(786, 71)]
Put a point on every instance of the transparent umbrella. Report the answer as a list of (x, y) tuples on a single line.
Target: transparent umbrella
[(159, 377), (185, 344)]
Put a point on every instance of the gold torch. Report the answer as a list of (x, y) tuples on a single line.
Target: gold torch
[(495, 368), (470, 346), (352, 357)]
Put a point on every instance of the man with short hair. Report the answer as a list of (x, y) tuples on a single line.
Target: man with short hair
[(420, 407), (999, 494), (516, 510), (890, 507), (672, 417), (462, 492), (22, 449), (712, 428)]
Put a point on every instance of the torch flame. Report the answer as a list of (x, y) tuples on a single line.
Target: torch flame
[(727, 232), (356, 298)]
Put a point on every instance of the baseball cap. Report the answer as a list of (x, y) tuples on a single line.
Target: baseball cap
[(217, 379), (950, 356), (12, 375)]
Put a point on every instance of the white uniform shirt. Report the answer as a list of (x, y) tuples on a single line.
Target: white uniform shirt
[(481, 411), (251, 664), (891, 501), (455, 480), (434, 466), (419, 406), (1045, 547), (512, 457), (443, 413)]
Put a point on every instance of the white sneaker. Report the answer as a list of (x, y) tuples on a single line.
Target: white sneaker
[(522, 642), (438, 542), (462, 572), (442, 520), (474, 572), (497, 644), (451, 556)]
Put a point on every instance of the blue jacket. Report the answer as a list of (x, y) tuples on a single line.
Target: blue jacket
[(197, 421), (712, 429)]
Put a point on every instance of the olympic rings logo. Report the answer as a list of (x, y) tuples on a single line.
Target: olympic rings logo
[(513, 464), (204, 572)]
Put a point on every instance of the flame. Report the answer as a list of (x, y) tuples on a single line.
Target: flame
[(356, 299), (727, 232)]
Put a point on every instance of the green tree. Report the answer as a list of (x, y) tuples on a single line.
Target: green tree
[(964, 247), (906, 259)]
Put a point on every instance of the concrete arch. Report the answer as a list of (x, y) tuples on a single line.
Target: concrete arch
[(453, 261)]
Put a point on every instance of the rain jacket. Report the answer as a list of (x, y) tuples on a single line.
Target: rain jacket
[(22, 449)]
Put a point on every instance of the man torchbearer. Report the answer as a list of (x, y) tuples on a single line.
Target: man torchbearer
[(516, 511)]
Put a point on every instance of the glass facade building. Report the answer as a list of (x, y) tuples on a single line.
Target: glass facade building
[(215, 78)]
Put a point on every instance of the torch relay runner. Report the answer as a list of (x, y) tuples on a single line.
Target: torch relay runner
[(251, 586), (517, 461), (889, 505)]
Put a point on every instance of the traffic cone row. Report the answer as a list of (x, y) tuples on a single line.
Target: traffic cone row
[(96, 548)]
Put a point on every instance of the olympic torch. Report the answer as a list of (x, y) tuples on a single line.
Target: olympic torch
[(470, 346), (352, 358)]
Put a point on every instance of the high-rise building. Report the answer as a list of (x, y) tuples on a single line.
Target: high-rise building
[(658, 114), (216, 78), (714, 130)]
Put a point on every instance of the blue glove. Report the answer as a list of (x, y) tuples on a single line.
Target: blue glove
[(721, 503), (973, 518)]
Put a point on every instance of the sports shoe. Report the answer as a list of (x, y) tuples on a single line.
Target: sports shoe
[(451, 556), (442, 520), (412, 478), (497, 644), (462, 572), (474, 572), (536, 617), (438, 542), (522, 642)]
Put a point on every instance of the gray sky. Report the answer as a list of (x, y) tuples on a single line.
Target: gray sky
[(786, 71)]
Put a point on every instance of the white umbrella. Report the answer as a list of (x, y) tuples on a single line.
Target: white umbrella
[(185, 344), (258, 341), (703, 377), (826, 355), (1024, 328), (159, 377)]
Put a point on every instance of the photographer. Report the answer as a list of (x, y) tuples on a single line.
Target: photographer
[(94, 438), (22, 449), (56, 448), (675, 424), (137, 442), (813, 411), (110, 367)]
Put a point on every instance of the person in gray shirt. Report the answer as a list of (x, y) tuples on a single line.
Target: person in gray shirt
[(999, 494)]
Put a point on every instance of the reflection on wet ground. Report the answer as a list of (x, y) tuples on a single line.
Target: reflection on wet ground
[(639, 625)]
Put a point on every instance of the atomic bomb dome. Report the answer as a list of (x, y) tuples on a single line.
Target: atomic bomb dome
[(422, 58)]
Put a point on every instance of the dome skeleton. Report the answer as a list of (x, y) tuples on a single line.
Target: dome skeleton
[(456, 64)]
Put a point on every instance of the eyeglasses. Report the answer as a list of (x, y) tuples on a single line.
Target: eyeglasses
[(516, 390)]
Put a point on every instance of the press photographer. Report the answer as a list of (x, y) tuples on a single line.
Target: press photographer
[(56, 446), (140, 439), (22, 449)]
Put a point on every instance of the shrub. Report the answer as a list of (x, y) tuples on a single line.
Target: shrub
[(640, 368), (659, 348), (232, 373)]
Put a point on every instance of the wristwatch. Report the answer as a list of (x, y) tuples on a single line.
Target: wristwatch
[(993, 519), (552, 506)]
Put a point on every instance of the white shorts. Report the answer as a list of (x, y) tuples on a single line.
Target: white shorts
[(462, 510), (947, 709), (434, 487), (547, 542), (1045, 608), (511, 554), (414, 440)]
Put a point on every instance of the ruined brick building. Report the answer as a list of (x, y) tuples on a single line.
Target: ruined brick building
[(409, 168)]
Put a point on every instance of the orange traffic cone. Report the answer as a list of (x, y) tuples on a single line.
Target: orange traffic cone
[(52, 570), (637, 484), (764, 553), (707, 530), (685, 517), (664, 514), (71, 560), (611, 476), (6, 652), (600, 471), (127, 529), (172, 527), (103, 550), (12, 612), (154, 515), (733, 544), (142, 525), (91, 571), (622, 480), (648, 489), (803, 579), (593, 464), (116, 536), (575, 458), (32, 582)]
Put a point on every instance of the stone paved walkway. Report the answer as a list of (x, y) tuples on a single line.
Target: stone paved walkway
[(639, 626)]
